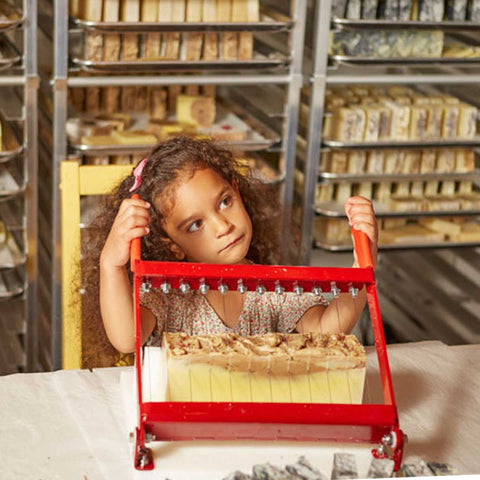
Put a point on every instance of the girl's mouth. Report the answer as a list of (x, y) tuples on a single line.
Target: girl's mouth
[(232, 244)]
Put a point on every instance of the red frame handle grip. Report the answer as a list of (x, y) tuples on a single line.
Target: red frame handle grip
[(361, 244), (135, 247)]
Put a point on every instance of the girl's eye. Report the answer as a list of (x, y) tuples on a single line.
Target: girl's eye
[(226, 201), (194, 226)]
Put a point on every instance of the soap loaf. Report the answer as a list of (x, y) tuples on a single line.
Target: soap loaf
[(310, 368)]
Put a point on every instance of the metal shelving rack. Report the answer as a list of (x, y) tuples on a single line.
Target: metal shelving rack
[(287, 75), (19, 339), (324, 73)]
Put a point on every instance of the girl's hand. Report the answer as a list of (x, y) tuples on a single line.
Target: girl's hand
[(132, 221), (361, 217)]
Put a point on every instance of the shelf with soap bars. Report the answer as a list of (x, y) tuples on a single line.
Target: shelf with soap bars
[(402, 233), (330, 177), (269, 21), (336, 209), (358, 60), (409, 144), (231, 119), (380, 24)]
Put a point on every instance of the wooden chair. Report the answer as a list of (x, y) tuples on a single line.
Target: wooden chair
[(76, 181)]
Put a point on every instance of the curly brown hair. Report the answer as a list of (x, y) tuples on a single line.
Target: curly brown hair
[(166, 165)]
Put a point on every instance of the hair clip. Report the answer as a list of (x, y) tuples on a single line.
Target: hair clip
[(137, 174)]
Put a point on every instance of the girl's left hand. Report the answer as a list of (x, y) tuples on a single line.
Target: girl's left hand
[(361, 217)]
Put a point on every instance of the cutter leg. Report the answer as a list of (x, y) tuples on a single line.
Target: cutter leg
[(143, 454)]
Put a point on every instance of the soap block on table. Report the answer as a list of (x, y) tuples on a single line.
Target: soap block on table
[(304, 368)]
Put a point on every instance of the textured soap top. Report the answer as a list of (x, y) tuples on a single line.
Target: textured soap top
[(271, 352)]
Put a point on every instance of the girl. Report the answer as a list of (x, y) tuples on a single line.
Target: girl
[(198, 204)]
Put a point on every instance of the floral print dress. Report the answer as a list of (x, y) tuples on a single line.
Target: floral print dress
[(192, 313)]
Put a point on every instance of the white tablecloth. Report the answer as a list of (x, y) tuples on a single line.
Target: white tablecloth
[(73, 424)]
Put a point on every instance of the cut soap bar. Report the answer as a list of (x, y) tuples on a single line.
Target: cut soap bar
[(303, 368)]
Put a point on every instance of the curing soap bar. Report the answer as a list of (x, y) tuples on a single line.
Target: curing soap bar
[(303, 368)]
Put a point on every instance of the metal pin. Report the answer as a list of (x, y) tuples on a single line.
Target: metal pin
[(353, 291), (184, 287), (317, 291), (241, 287), (165, 287), (334, 290), (146, 286), (261, 289), (297, 289), (222, 288), (203, 287), (279, 290)]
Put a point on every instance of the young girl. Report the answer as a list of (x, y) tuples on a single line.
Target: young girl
[(198, 204)]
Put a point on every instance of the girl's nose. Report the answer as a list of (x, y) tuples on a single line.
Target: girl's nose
[(222, 225)]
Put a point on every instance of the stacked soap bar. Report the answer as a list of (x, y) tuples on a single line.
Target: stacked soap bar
[(303, 368), (388, 44), (171, 46), (424, 10), (367, 114)]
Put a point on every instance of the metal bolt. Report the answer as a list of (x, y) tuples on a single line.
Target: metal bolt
[(184, 287), (165, 287), (387, 439), (317, 291), (223, 288), (149, 437), (261, 289), (353, 291), (279, 290), (146, 286), (203, 287), (297, 289), (241, 287), (334, 290)]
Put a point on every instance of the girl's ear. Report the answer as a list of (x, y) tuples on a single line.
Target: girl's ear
[(178, 253)]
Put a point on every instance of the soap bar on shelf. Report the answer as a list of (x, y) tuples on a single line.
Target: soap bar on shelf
[(356, 161), (196, 110), (369, 9), (464, 161), (467, 121), (451, 115), (375, 162), (339, 8), (457, 10), (394, 161), (404, 9), (134, 137), (474, 13), (430, 10), (418, 122), (445, 161), (354, 8), (440, 225), (348, 124)]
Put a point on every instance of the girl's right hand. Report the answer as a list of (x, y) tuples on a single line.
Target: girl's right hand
[(132, 221)]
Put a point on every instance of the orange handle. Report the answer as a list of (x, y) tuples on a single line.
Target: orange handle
[(362, 248), (135, 248)]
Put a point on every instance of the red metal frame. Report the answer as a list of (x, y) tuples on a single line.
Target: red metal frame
[(268, 421)]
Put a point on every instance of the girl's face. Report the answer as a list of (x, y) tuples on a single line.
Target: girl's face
[(209, 223)]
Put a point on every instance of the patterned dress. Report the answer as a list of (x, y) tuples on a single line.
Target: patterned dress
[(192, 313)]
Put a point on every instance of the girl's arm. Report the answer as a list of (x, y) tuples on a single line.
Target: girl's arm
[(343, 312), (116, 300)]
